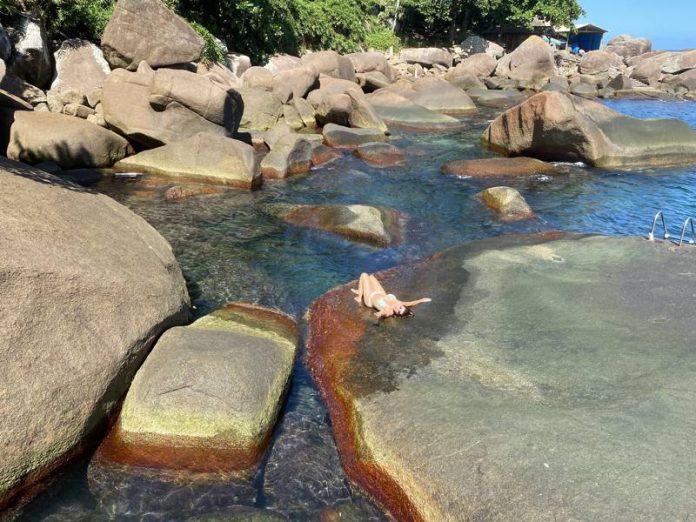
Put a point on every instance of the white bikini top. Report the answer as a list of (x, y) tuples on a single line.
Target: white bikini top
[(381, 303)]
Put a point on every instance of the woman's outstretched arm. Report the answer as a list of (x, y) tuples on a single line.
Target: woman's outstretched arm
[(417, 302)]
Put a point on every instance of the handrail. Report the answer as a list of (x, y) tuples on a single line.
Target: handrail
[(651, 235), (693, 232)]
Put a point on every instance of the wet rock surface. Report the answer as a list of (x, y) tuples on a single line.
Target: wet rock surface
[(498, 167), (558, 127), (536, 385)]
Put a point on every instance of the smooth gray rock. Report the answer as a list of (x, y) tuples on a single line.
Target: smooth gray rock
[(550, 377), (89, 286)]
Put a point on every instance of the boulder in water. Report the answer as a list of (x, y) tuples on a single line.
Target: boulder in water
[(201, 158), (380, 154), (348, 138), (522, 369), (91, 286), (557, 127), (291, 155), (398, 111), (508, 202), (147, 30), (208, 395), (363, 223), (498, 167)]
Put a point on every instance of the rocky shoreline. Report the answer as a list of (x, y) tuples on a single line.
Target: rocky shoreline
[(98, 334)]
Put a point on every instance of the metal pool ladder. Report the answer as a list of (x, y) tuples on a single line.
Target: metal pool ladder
[(689, 222)]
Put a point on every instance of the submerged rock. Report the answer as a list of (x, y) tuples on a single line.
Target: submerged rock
[(146, 30), (89, 286), (498, 167), (508, 202), (558, 127), (70, 142), (380, 154), (527, 389), (207, 397), (348, 138), (201, 158), (363, 223)]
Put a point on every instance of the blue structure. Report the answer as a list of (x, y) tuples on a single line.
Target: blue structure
[(587, 37)]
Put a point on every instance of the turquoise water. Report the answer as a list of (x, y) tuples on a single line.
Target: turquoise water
[(231, 247)]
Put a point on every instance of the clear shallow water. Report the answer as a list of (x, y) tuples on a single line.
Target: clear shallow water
[(231, 247)]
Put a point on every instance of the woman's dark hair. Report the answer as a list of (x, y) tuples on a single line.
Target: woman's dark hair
[(406, 313)]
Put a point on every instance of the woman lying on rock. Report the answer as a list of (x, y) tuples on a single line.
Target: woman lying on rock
[(372, 294)]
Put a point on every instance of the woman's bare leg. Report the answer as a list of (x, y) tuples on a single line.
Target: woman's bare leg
[(376, 286), (362, 287)]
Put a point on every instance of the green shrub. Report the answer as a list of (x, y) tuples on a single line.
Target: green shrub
[(382, 39), (213, 51)]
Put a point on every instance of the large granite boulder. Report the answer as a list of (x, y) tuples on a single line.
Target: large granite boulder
[(507, 202), (363, 116), (480, 65), (89, 287), (80, 66), (158, 107), (374, 226), (680, 62), (427, 56), (498, 167), (372, 61), (282, 62), (496, 99), (441, 96), (203, 157), (601, 62), (627, 46), (550, 378), (258, 78), (294, 83), (37, 137), (649, 70), (262, 109), (208, 395), (400, 112), (330, 63), (555, 126), (147, 30), (31, 58), (531, 64)]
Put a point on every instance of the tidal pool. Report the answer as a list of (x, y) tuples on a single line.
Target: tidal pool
[(231, 247)]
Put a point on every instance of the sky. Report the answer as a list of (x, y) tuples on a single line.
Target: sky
[(670, 24)]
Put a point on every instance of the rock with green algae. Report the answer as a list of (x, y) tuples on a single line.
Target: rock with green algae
[(207, 397), (550, 378)]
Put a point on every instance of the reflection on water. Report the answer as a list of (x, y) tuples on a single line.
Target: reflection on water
[(231, 247)]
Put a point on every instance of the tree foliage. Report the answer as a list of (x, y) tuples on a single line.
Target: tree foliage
[(262, 27)]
